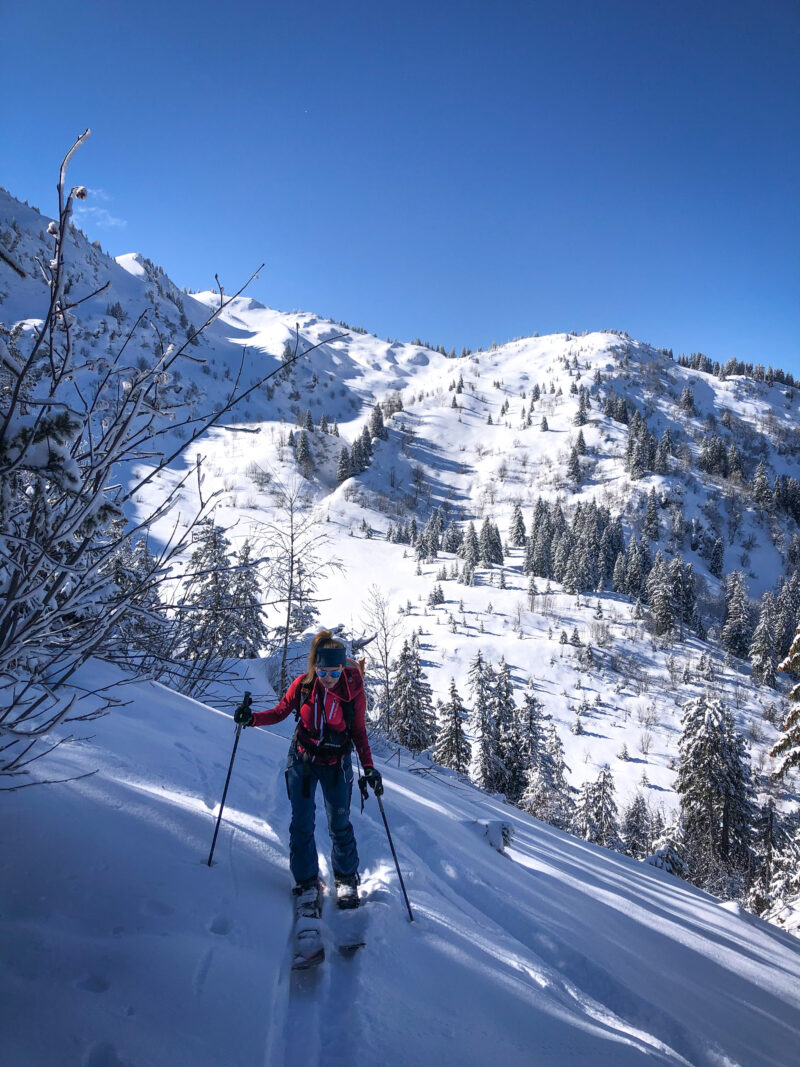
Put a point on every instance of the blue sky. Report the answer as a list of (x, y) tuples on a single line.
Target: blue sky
[(464, 172)]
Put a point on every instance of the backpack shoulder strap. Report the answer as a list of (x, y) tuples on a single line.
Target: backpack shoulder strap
[(305, 693), (349, 714)]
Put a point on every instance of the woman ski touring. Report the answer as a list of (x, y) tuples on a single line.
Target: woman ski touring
[(329, 704)]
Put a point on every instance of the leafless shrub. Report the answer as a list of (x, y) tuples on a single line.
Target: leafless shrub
[(80, 440)]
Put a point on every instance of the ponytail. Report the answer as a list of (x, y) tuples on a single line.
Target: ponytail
[(322, 639)]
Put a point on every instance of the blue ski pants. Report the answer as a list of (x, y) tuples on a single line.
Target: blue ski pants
[(336, 781)]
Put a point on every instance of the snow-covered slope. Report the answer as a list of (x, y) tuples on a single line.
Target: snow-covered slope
[(122, 948), (438, 454)]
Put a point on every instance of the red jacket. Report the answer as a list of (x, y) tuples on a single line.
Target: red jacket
[(321, 707)]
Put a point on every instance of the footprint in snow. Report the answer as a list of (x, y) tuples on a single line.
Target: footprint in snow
[(94, 983), (155, 907), (104, 1055), (221, 925)]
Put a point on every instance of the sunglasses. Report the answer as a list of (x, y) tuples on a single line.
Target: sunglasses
[(333, 674)]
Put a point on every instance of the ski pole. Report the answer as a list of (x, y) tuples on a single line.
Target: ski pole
[(394, 854), (247, 700)]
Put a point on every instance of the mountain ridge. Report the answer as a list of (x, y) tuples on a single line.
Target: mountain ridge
[(612, 683)]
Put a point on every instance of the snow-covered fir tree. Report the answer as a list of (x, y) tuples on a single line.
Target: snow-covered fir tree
[(595, 817), (305, 461), (206, 608), (763, 654), (490, 546), (524, 744), (735, 633), (412, 719), (651, 525), (669, 851), (547, 794), (635, 827), (660, 597), (517, 534), (452, 748), (377, 427), (486, 767), (504, 712), (716, 794), (144, 635), (773, 849), (249, 634)]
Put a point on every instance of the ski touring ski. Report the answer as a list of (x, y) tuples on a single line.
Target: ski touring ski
[(348, 921)]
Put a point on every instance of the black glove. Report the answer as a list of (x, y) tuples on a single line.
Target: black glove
[(243, 716), (374, 779)]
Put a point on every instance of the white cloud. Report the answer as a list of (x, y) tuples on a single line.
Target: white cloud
[(99, 217)]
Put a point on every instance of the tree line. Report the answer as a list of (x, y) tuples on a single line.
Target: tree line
[(720, 838)]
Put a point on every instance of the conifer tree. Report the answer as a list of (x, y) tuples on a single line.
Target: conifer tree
[(635, 827), (763, 655), (344, 469), (366, 447), (305, 461), (486, 767), (574, 467), (620, 578), (547, 794), (735, 633), (430, 539), (452, 747), (469, 552), (524, 743), (452, 538), (376, 424), (787, 749), (659, 597), (783, 888), (788, 612), (357, 461), (490, 545), (716, 794), (596, 811), (517, 534), (249, 635), (651, 529), (762, 491), (145, 632), (412, 716), (206, 607), (687, 400), (772, 841), (669, 851), (661, 461), (504, 712), (583, 404), (637, 568)]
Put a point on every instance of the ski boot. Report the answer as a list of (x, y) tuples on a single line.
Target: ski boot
[(347, 891)]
